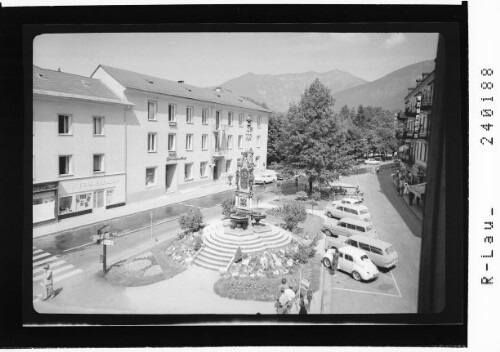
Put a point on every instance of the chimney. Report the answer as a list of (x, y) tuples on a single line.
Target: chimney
[(181, 82)]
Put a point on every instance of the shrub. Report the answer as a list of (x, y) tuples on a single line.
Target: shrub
[(292, 213), (198, 242), (304, 253), (238, 256), (316, 196), (228, 206), (192, 220), (301, 195)]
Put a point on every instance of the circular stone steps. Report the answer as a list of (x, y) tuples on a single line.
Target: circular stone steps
[(221, 243)]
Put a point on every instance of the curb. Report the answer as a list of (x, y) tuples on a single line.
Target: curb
[(125, 215)]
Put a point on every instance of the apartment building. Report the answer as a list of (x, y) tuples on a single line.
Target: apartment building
[(180, 136), (418, 115), (79, 141)]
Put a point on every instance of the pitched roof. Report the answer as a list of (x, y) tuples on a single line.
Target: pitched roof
[(62, 84), (152, 84)]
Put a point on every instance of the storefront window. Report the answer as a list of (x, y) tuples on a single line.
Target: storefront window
[(43, 206), (66, 205), (83, 201)]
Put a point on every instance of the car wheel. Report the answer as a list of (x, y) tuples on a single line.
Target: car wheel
[(326, 263), (356, 276), (330, 215), (329, 233)]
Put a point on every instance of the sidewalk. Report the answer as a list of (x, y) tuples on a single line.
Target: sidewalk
[(418, 210), (132, 208)]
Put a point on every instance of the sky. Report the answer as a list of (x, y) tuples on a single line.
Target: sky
[(209, 59)]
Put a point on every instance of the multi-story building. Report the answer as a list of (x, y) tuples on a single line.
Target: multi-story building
[(180, 136), (418, 109), (79, 138)]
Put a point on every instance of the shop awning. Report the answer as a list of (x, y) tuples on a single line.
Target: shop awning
[(418, 189)]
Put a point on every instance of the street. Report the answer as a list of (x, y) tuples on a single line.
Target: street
[(395, 290)]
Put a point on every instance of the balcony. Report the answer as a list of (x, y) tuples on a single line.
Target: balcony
[(426, 102), (410, 112), (424, 133)]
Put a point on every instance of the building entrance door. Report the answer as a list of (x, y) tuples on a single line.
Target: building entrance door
[(99, 200), (169, 177), (216, 170)]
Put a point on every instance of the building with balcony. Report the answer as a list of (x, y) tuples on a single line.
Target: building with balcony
[(79, 144), (179, 136), (418, 110)]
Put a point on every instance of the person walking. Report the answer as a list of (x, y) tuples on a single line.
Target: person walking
[(335, 260), (410, 198), (282, 287), (48, 282), (302, 309), (405, 190)]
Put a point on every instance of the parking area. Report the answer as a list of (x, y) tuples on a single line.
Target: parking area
[(385, 284)]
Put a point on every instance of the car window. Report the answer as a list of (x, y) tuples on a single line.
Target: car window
[(376, 250), (342, 224), (340, 208), (354, 211), (389, 250), (364, 257), (364, 246), (360, 229), (348, 257), (352, 243), (363, 211), (369, 228), (358, 202), (350, 226)]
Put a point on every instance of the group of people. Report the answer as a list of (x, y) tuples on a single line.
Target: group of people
[(287, 296), (403, 187)]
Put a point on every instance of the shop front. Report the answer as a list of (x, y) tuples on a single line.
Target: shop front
[(92, 194), (44, 202)]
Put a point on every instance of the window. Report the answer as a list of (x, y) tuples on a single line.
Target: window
[(228, 165), (363, 211), (189, 142), (204, 141), (33, 167), (64, 124), (389, 250), (360, 229), (259, 118), (369, 228), (351, 227), (152, 107), (342, 224), (229, 142), (189, 114), (217, 119), (98, 162), (349, 258), (188, 172), (340, 208), (150, 176), (364, 246), (171, 112), (241, 119), (352, 242), (240, 142), (203, 169), (171, 142), (65, 165), (98, 126), (230, 118), (204, 116), (376, 250), (151, 142), (66, 205), (258, 141)]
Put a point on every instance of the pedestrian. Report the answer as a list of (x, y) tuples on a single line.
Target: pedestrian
[(410, 197), (398, 186), (302, 309), (283, 305), (48, 282), (296, 183), (405, 191), (335, 260), (282, 287)]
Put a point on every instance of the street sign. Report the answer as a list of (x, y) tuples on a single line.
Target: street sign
[(108, 242)]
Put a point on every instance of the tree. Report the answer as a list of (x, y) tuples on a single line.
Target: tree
[(274, 136), (314, 138)]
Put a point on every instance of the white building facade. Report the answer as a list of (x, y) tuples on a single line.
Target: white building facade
[(180, 136), (79, 140)]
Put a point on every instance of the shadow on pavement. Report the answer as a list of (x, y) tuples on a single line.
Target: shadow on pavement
[(388, 189)]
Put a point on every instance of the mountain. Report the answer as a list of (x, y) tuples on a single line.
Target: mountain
[(278, 91), (388, 91)]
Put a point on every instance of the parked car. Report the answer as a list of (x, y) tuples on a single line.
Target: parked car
[(355, 211), (372, 161), (349, 200), (352, 261), (348, 227), (346, 189), (381, 253), (263, 178)]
